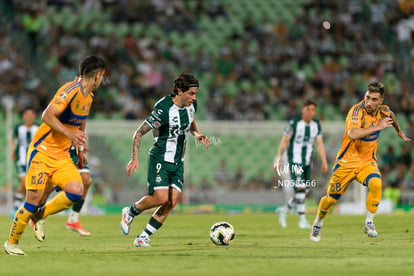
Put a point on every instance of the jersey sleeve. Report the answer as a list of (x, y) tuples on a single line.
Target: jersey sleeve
[(319, 134), (15, 132), (355, 117), (157, 118), (289, 128), (62, 98), (385, 111)]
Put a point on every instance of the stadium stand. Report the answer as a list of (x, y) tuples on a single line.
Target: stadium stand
[(236, 41), (255, 59)]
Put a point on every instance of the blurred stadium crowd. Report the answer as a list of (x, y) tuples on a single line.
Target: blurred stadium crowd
[(260, 65), (256, 59)]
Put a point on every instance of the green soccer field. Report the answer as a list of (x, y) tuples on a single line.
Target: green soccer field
[(182, 247)]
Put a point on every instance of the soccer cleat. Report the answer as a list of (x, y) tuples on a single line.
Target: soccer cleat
[(303, 224), (38, 229), (77, 227), (369, 229), (142, 242), (282, 217), (126, 220), (315, 234), (13, 249)]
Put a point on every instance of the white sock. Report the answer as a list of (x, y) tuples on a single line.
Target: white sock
[(18, 200), (318, 221), (370, 217), (300, 204), (290, 204), (73, 216), (144, 235)]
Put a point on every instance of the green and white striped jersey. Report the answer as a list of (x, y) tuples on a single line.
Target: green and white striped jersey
[(302, 139), (171, 125)]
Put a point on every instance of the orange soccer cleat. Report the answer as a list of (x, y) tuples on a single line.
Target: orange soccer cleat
[(77, 227)]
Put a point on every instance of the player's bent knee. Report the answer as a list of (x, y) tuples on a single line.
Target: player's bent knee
[(326, 204), (74, 187), (375, 184), (299, 200), (161, 198)]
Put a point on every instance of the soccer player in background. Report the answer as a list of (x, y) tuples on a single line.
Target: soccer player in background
[(299, 139), (22, 137), (171, 120), (356, 159), (49, 162), (73, 223)]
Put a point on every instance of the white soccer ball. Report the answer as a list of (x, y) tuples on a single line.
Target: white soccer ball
[(222, 233)]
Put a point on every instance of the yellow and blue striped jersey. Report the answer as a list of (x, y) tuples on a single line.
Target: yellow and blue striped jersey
[(364, 149), (75, 106)]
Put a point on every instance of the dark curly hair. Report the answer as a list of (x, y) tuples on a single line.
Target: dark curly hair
[(184, 82)]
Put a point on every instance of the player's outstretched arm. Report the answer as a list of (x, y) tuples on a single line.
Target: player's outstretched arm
[(133, 164), (398, 128), (203, 139), (357, 133)]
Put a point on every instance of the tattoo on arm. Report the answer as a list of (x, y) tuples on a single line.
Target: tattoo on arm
[(136, 142), (159, 213)]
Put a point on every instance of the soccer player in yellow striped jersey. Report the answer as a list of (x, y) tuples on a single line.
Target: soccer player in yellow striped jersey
[(49, 162), (356, 160)]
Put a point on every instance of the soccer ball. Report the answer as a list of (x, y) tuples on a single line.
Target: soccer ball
[(222, 233)]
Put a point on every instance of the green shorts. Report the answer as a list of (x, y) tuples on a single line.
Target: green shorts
[(162, 175), (75, 159), (300, 176), (21, 170)]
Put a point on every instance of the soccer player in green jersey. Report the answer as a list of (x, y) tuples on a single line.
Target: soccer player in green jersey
[(171, 120), (22, 137), (73, 223), (298, 140)]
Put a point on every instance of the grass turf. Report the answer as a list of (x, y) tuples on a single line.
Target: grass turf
[(182, 247)]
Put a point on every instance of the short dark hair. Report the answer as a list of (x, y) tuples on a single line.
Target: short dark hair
[(376, 87), (309, 102), (184, 82), (90, 65), (27, 108)]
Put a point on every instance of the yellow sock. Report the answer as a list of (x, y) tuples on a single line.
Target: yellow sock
[(59, 203), (374, 194), (19, 224), (325, 205)]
